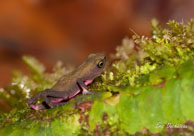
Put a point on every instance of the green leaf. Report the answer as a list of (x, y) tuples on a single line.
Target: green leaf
[(150, 107), (171, 98), (187, 97), (96, 113), (187, 85), (129, 114)]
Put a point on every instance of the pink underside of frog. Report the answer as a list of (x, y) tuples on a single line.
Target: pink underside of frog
[(87, 82), (36, 107)]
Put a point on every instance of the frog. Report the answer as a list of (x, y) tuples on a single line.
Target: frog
[(70, 85)]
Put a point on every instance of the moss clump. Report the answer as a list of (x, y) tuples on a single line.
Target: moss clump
[(141, 55), (150, 81)]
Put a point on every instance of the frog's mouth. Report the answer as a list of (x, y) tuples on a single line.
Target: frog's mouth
[(87, 82)]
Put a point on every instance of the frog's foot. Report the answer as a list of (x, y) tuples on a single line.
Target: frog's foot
[(85, 91), (37, 107), (30, 101)]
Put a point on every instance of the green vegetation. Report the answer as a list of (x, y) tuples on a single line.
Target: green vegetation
[(149, 86)]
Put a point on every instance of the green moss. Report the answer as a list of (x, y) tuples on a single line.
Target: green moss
[(150, 82), (141, 55)]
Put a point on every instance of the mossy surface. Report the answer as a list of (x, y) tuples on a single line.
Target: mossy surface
[(148, 86)]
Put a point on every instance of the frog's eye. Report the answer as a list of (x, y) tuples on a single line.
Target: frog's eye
[(100, 64)]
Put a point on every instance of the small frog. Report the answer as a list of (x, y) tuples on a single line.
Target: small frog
[(71, 84)]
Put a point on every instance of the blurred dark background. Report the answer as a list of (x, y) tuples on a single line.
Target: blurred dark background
[(69, 30)]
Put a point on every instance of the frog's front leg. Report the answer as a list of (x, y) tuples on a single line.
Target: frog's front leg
[(83, 87)]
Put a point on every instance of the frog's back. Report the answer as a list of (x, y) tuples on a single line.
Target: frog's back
[(65, 83)]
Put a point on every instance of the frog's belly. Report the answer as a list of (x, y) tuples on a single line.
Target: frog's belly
[(57, 100)]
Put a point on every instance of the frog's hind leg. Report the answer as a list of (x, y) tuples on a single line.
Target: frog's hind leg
[(55, 94), (43, 105), (30, 101), (37, 96), (52, 99)]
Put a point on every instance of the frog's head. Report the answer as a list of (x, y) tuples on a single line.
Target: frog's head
[(94, 65)]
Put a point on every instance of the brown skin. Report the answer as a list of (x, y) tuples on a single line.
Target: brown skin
[(71, 84)]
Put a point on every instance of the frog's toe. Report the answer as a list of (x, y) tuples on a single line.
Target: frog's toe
[(35, 107)]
